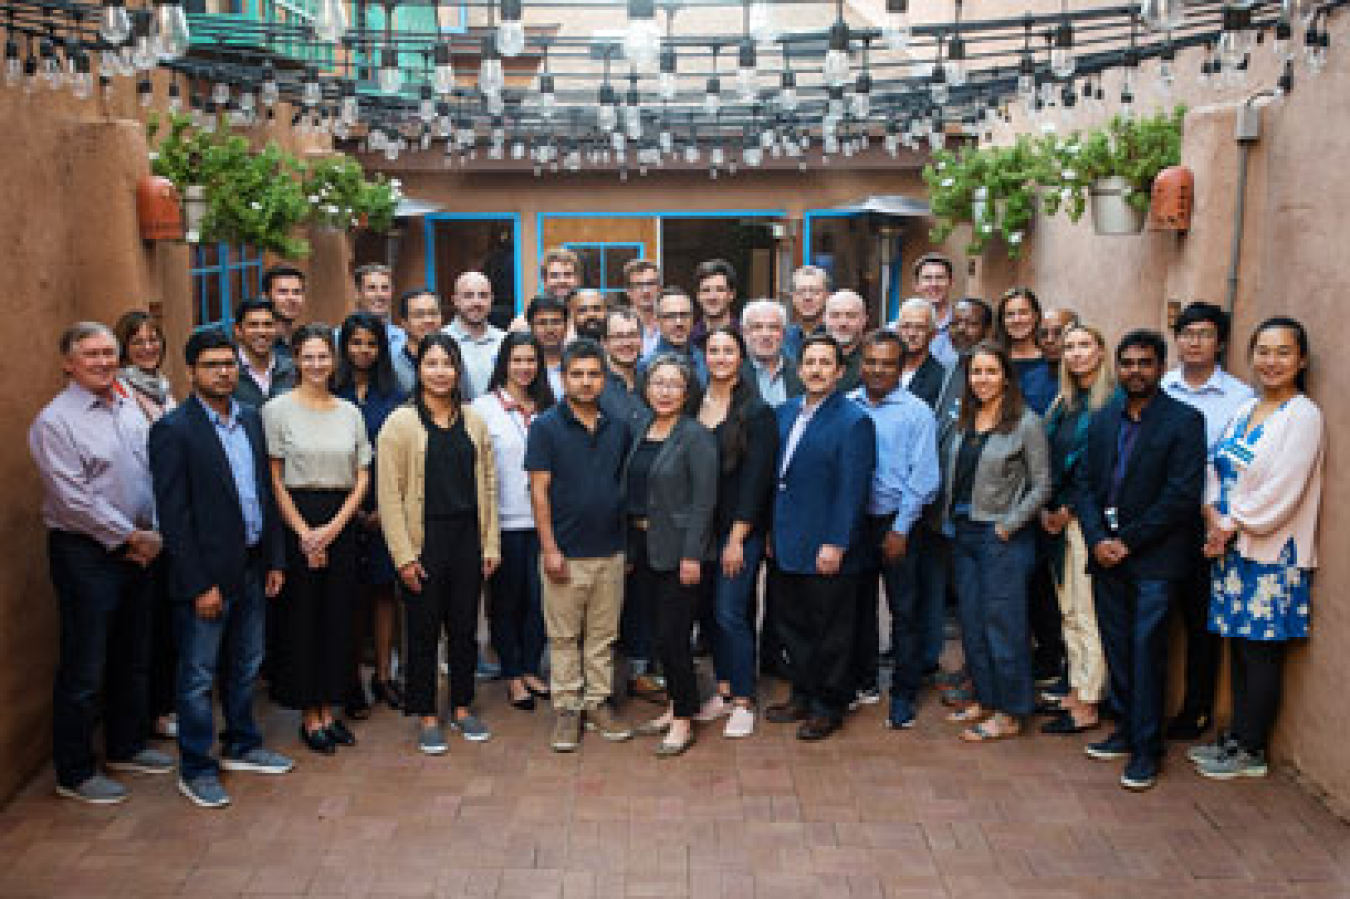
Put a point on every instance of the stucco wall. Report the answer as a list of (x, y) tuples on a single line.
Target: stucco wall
[(1293, 262)]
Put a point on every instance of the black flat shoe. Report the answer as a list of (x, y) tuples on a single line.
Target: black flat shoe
[(317, 740), (1064, 724), (545, 695), (525, 703), (340, 734), (1188, 726)]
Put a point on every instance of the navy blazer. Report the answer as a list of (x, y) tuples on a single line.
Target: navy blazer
[(822, 496), (928, 381), (1159, 499), (198, 504)]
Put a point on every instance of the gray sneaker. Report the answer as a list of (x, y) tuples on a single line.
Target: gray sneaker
[(258, 761), (1203, 753), (602, 719), (567, 731), (204, 791), (431, 740), (147, 761), (95, 790), (1236, 762), (471, 728)]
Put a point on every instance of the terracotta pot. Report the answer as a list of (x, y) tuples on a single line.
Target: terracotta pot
[(158, 209), (1112, 213), (1172, 200)]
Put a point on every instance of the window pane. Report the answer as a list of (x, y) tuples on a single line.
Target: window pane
[(210, 305), (616, 257), (591, 265)]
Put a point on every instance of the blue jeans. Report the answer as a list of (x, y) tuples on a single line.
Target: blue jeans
[(734, 608), (991, 587), (1132, 618), (906, 602), (105, 646), (931, 552), (230, 646)]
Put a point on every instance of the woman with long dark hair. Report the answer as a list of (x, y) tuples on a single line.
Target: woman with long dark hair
[(517, 392), (365, 378), (747, 442), (997, 477), (1086, 383), (320, 473), (1262, 498), (670, 481), (438, 499), (1017, 328)]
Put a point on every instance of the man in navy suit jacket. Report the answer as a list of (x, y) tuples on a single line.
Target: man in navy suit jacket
[(223, 541), (824, 480), (1137, 494)]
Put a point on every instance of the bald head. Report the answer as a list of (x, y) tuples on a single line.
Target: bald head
[(846, 318), (472, 300)]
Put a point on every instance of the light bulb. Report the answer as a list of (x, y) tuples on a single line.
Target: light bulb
[(955, 64), (618, 141), (511, 38), (937, 138), (1062, 61), (220, 93), (50, 69), (605, 117), (717, 156), (548, 104), (763, 24), (836, 58), (667, 86), (787, 93), (860, 105), (937, 85), (171, 36), (390, 75), (114, 23), (269, 91), (1230, 50), (1162, 15), (491, 79), (443, 75), (426, 107), (350, 109), (1026, 88), (1284, 32), (312, 93), (82, 83), (746, 85), (712, 100), (175, 98), (144, 57), (13, 66), (666, 141), (330, 21), (896, 30), (642, 37)]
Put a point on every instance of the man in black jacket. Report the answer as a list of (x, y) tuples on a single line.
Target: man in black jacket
[(264, 371), (924, 375), (223, 541), (1137, 495)]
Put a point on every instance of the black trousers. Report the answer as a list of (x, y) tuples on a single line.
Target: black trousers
[(453, 558), (1257, 668), (675, 607), (313, 650), (771, 654), (105, 647), (866, 635), (815, 619), (1044, 617), (1203, 647)]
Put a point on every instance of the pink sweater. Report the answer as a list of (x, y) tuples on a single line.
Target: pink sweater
[(1277, 496)]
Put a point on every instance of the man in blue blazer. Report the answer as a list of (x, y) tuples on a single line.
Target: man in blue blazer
[(828, 451), (223, 541), (1137, 495)]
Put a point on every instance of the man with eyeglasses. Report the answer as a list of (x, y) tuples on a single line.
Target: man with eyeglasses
[(642, 285), (810, 288), (675, 315), (1051, 335), (1201, 333)]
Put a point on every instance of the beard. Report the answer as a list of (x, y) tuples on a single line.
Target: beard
[(594, 329)]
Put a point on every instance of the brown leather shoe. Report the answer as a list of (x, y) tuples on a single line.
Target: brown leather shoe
[(647, 688), (817, 727), (785, 713)]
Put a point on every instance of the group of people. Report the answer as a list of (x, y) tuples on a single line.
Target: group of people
[(618, 474)]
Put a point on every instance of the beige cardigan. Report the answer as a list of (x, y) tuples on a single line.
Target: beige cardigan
[(1277, 496), (401, 468)]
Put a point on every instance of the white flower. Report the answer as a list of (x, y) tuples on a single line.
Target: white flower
[(255, 205), (947, 182), (987, 228), (395, 183), (1072, 149), (1047, 127), (330, 209), (313, 199), (1015, 237), (1066, 194), (1068, 174)]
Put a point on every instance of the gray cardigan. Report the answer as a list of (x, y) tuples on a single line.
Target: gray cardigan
[(1012, 480), (681, 494)]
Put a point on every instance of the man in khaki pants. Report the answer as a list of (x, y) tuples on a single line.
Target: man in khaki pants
[(575, 455)]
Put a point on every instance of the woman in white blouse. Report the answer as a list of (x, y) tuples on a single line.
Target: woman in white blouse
[(517, 392)]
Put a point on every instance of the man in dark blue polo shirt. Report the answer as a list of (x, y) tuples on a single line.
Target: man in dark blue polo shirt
[(575, 456)]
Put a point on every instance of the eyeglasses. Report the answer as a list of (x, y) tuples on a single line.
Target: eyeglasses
[(1198, 334), (644, 285), (673, 316), (223, 365), (624, 335), (673, 385)]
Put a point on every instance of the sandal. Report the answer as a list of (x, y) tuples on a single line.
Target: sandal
[(984, 732), (956, 695), (972, 712)]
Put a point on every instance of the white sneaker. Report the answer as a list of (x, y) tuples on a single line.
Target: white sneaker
[(740, 724), (715, 707)]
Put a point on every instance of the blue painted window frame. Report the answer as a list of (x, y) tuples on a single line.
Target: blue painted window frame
[(605, 245), (248, 262), (429, 245)]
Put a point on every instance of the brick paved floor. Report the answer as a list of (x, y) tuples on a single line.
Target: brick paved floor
[(868, 813)]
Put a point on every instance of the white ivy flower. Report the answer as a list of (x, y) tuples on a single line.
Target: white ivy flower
[(1069, 174), (1066, 194), (1073, 149), (1015, 238), (947, 182), (255, 206), (987, 228)]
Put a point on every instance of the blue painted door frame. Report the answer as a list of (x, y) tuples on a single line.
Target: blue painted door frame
[(429, 243)]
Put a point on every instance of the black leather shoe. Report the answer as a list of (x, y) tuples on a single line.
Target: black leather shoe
[(817, 727), (317, 740), (340, 734), (785, 713), (1064, 724), (387, 692), (1189, 726), (525, 703)]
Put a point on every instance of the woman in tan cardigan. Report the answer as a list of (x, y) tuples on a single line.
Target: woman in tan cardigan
[(1264, 489), (438, 505)]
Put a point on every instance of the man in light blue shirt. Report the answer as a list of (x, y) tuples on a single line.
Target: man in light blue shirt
[(906, 479), (1202, 333), (375, 294), (478, 339)]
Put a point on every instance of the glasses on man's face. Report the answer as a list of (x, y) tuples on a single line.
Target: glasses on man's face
[(664, 386), (223, 365), (644, 285), (1198, 334), (676, 316), (624, 335)]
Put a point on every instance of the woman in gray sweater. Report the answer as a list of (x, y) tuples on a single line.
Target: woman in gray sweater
[(997, 477)]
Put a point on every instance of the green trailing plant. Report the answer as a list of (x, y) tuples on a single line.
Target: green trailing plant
[(1135, 149), (993, 189), (340, 196)]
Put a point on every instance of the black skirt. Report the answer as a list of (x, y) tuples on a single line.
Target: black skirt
[(314, 647)]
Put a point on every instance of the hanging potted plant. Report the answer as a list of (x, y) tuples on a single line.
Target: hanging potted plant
[(992, 189), (1111, 169), (340, 196)]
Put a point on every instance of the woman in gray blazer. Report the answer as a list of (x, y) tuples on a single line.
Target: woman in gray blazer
[(670, 482), (997, 477)]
